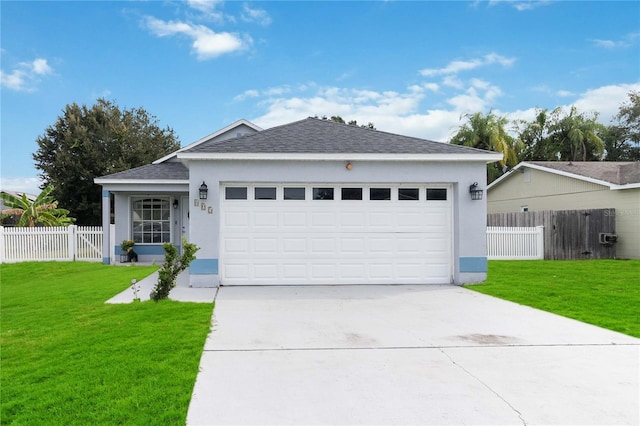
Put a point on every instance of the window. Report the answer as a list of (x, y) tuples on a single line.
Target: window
[(151, 221), (265, 193), (323, 193), (380, 193), (437, 194), (352, 193), (235, 193), (294, 193), (408, 194)]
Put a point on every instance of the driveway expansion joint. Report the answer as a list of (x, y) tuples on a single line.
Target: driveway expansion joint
[(518, 413)]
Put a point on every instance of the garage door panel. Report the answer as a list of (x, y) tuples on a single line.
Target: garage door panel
[(294, 245), (380, 271), (323, 220), (265, 220), (236, 219), (293, 271), (294, 220), (265, 245), (352, 245), (335, 241), (323, 245), (323, 271)]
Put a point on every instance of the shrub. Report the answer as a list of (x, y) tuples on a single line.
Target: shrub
[(173, 265)]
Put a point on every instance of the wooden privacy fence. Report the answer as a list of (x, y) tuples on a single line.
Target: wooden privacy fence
[(515, 243), (568, 234), (51, 243)]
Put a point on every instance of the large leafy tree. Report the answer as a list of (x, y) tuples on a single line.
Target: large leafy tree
[(622, 141), (489, 132), (41, 211), (87, 142)]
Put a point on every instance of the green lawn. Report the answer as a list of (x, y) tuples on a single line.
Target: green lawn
[(605, 293), (67, 358)]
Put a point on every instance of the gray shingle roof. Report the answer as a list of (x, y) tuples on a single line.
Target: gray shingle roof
[(164, 171), (317, 136), (616, 172)]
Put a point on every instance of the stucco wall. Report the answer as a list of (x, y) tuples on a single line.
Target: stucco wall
[(469, 217), (540, 190)]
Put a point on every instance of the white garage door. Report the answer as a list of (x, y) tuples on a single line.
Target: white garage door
[(335, 234)]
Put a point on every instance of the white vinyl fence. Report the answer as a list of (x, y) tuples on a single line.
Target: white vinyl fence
[(85, 243), (515, 243), (21, 244)]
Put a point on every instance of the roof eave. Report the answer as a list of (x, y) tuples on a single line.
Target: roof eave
[(138, 181), (488, 157), (612, 186)]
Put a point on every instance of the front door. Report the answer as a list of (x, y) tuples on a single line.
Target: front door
[(184, 219)]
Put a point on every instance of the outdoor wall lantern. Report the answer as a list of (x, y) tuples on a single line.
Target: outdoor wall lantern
[(476, 193), (175, 203), (203, 191)]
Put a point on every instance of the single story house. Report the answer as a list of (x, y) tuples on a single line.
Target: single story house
[(13, 219), (559, 185), (310, 202)]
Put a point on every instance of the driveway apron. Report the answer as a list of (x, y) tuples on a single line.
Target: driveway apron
[(407, 355)]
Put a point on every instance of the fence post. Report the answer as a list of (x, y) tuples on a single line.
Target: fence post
[(71, 235), (540, 241), (1, 244)]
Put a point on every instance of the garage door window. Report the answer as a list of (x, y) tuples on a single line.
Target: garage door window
[(352, 193), (408, 194), (235, 193), (379, 194), (294, 193), (436, 194), (323, 193), (265, 193)]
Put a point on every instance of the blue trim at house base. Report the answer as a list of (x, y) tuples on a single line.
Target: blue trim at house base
[(203, 267), (473, 264), (106, 260)]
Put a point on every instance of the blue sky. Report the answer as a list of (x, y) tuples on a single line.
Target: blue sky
[(409, 67)]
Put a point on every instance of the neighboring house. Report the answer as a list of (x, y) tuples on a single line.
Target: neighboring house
[(555, 185), (12, 220), (310, 202)]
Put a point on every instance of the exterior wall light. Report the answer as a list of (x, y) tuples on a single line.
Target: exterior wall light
[(175, 203), (203, 191), (349, 166), (476, 193)]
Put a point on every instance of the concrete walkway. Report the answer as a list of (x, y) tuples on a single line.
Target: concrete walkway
[(182, 292), (407, 355)]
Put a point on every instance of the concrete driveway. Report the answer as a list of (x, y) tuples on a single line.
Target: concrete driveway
[(407, 355)]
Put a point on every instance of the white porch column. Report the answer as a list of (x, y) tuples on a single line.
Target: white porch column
[(106, 221)]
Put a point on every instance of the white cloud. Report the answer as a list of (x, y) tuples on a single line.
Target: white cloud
[(520, 5), (205, 6), (30, 185), (455, 67), (605, 100), (564, 93), (26, 75), (207, 44), (627, 41), (255, 15)]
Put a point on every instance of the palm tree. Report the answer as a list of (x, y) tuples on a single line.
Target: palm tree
[(488, 132), (43, 210), (575, 136)]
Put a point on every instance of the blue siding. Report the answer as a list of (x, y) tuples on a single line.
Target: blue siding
[(204, 267)]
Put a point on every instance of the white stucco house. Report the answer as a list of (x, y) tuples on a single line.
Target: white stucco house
[(310, 202)]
